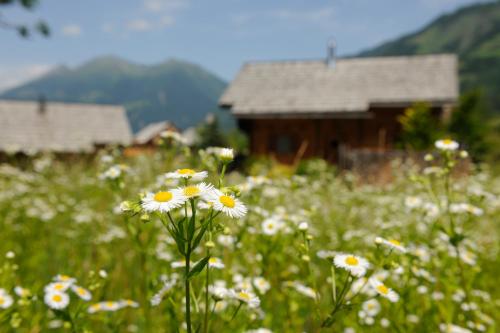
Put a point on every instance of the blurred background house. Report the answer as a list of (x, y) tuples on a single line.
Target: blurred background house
[(331, 108), (30, 127)]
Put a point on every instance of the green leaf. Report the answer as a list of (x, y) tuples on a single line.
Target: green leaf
[(198, 267), (198, 238)]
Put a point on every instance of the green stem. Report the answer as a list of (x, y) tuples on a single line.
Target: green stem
[(236, 311), (207, 282), (188, 293)]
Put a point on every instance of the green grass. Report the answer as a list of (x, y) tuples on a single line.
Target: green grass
[(61, 218)]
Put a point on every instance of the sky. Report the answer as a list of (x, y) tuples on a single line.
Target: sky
[(219, 35)]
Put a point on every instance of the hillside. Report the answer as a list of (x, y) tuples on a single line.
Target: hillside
[(473, 33), (173, 90)]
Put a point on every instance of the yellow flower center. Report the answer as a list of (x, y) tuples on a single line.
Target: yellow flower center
[(58, 286), (371, 306), (244, 296), (1, 300), (110, 304), (351, 261), (227, 201), (64, 277), (163, 196), (188, 172), (447, 141), (57, 298), (383, 289), (81, 291), (395, 242), (212, 260), (191, 191)]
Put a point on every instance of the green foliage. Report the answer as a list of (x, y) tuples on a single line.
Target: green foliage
[(22, 29), (210, 134), (468, 124), (420, 127)]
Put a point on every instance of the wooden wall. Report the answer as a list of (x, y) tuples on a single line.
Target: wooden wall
[(285, 138)]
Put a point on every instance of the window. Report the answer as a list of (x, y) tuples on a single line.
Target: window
[(284, 144)]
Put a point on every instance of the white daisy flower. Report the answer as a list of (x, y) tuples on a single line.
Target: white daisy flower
[(95, 308), (179, 264), (247, 297), (227, 204), (226, 154), (304, 290), (57, 287), (21, 292), (260, 330), (357, 266), (391, 243), (214, 262), (450, 328), (413, 202), (219, 291), (383, 290), (5, 299), (446, 145), (65, 278), (187, 174), (261, 284), (56, 300), (272, 226), (371, 307), (81, 292), (196, 190), (220, 306), (303, 226), (128, 303), (110, 306), (163, 201)]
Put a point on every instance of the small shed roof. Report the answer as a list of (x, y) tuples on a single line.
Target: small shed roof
[(352, 85), (31, 126), (151, 131)]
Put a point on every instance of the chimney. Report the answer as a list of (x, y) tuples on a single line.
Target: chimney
[(331, 53), (42, 104)]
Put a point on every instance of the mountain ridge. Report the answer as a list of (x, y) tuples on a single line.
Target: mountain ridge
[(478, 48), (173, 89)]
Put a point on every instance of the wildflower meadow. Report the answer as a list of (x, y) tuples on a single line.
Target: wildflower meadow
[(184, 241)]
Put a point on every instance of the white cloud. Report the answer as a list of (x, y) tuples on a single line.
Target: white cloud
[(164, 5), (72, 30), (320, 16), (13, 76), (139, 25)]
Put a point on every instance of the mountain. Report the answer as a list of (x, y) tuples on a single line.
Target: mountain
[(174, 90), (472, 32)]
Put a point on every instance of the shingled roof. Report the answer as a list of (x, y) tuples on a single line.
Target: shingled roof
[(29, 126), (352, 85), (151, 131)]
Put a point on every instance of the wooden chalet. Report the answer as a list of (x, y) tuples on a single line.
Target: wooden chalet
[(29, 127), (146, 140), (328, 108)]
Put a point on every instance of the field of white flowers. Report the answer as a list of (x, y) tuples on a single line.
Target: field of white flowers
[(180, 242)]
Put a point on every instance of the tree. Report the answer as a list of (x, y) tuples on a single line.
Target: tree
[(468, 123), (210, 133), (420, 128), (24, 30)]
